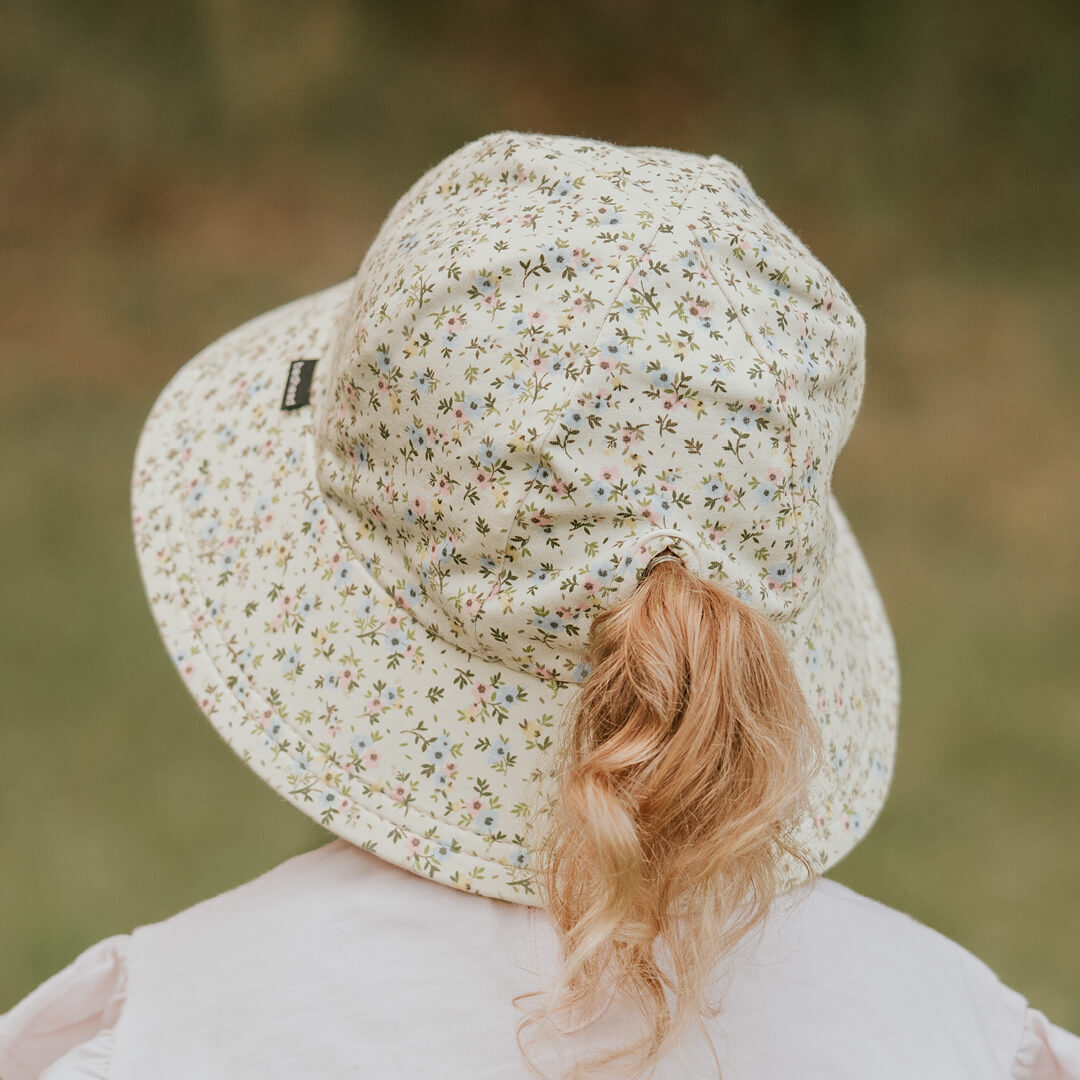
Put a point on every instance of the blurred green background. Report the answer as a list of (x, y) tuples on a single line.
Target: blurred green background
[(167, 171)]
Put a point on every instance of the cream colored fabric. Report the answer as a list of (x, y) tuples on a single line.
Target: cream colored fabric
[(558, 358), (338, 965)]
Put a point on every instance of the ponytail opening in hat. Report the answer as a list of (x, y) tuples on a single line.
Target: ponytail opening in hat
[(683, 771)]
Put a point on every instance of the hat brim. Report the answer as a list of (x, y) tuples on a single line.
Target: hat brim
[(317, 676)]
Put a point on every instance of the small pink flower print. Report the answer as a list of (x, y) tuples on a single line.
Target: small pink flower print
[(419, 506), (609, 473), (398, 792), (558, 487), (455, 323), (376, 704), (774, 474), (540, 519), (383, 387), (473, 807), (410, 652), (590, 585), (580, 303), (392, 621), (266, 447), (482, 692), (728, 497), (346, 678), (838, 696), (538, 362), (482, 479), (543, 672), (187, 670), (459, 414), (372, 758), (414, 845), (198, 621), (443, 489), (490, 301), (634, 280), (286, 602), (472, 604), (450, 768), (822, 701)]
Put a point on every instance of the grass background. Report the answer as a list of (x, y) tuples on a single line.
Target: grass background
[(167, 171)]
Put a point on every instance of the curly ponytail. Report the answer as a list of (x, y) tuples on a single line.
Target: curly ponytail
[(682, 771)]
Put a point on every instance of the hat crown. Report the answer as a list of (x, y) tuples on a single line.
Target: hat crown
[(562, 356)]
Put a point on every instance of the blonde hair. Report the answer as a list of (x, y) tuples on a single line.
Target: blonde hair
[(682, 770)]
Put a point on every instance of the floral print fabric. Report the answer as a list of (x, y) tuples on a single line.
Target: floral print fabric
[(558, 358)]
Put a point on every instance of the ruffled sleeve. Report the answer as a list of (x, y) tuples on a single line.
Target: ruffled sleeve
[(64, 1029), (1046, 1051)]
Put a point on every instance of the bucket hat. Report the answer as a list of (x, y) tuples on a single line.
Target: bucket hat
[(374, 524)]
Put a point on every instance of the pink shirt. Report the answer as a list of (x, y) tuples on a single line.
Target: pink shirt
[(336, 964)]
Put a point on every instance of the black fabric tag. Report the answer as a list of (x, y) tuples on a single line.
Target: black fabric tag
[(298, 386)]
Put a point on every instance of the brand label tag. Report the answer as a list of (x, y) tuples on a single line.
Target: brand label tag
[(298, 386)]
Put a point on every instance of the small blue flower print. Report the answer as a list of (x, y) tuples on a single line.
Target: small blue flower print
[(508, 695), (291, 660), (440, 750), (519, 857), (382, 359), (422, 382), (487, 821), (395, 643), (210, 529), (600, 570), (360, 743), (196, 495), (416, 437), (662, 378), (549, 624), (262, 506), (613, 349), (343, 574), (581, 672), (780, 574), (498, 751), (600, 491), (474, 405), (574, 418)]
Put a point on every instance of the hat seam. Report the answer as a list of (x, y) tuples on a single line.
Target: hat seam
[(643, 248), (790, 449)]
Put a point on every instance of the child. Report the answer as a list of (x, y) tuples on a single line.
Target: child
[(513, 561)]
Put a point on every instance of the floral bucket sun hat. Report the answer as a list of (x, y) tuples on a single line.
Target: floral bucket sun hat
[(374, 524)]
